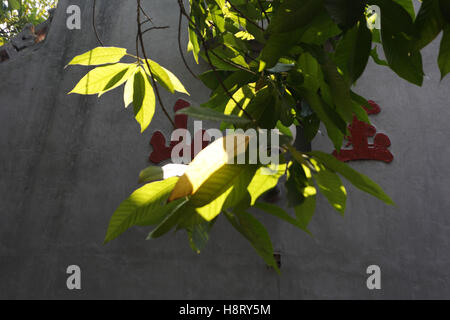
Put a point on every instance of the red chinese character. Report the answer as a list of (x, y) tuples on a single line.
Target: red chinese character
[(162, 152), (359, 139)]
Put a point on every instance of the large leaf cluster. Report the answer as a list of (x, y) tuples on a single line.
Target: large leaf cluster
[(273, 64)]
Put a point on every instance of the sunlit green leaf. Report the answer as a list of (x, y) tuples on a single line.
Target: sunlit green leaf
[(265, 178), (128, 91), (359, 180), (100, 55), (145, 206), (165, 78), (104, 78), (331, 186), (222, 190), (143, 99), (207, 162)]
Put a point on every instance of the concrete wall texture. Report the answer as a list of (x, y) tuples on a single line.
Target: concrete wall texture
[(67, 161)]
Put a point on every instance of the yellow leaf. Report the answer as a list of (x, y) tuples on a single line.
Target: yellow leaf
[(102, 79), (100, 55), (119, 79), (221, 152), (165, 77), (143, 99), (128, 91)]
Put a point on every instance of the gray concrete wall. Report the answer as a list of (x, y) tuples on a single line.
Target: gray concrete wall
[(68, 161)]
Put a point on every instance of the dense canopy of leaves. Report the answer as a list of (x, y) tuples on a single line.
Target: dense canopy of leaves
[(15, 14), (273, 64)]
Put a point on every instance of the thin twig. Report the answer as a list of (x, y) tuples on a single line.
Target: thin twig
[(183, 11), (231, 63), (245, 17), (94, 24), (181, 49), (264, 11), (146, 15), (141, 40), (153, 28)]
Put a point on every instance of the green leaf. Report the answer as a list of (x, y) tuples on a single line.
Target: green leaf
[(255, 233), (165, 78), (128, 91), (145, 206), (334, 124), (310, 69), (340, 90), (198, 233), (263, 107), (265, 178), (429, 22), (294, 14), (207, 162), (345, 12), (299, 182), (119, 79), (445, 9), (408, 5), (103, 79), (444, 52), (305, 212), (243, 96), (143, 99), (100, 55), (376, 58), (359, 180), (331, 186), (279, 212), (320, 30), (209, 78), (151, 173), (210, 114), (278, 45), (397, 36), (193, 44), (14, 4), (222, 190), (353, 50), (175, 214)]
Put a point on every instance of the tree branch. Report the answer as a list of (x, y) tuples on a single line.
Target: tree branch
[(141, 40)]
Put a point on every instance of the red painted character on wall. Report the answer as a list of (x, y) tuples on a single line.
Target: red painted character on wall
[(359, 140), (161, 152)]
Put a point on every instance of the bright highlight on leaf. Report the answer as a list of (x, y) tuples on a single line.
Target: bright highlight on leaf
[(103, 79), (207, 162), (165, 78), (145, 206), (143, 99), (98, 56)]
